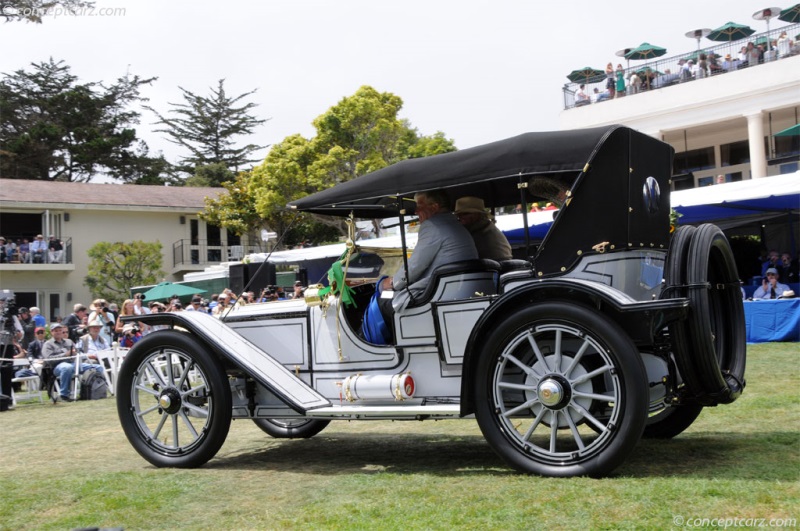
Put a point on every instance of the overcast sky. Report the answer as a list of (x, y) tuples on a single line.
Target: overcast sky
[(477, 70)]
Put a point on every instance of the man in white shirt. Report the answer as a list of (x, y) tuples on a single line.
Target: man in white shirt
[(38, 250)]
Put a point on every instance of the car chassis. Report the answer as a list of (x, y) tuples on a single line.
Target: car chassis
[(614, 328)]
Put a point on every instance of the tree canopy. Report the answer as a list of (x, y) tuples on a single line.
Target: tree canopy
[(34, 10), (208, 127), (360, 134), (117, 267), (56, 128)]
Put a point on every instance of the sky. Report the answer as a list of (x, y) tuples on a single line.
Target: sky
[(476, 70)]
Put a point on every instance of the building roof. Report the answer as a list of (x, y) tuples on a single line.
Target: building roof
[(65, 194)]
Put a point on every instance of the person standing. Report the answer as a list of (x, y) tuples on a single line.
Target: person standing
[(620, 87), (100, 313), (75, 322), (38, 318)]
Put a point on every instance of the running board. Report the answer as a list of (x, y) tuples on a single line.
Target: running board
[(398, 412)]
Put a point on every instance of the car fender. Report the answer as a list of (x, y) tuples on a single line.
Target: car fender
[(641, 320)]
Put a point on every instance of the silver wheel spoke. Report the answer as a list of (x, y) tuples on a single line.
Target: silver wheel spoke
[(589, 375), (161, 422), (536, 422), (175, 440), (588, 416), (193, 391), (146, 389), (188, 424), (557, 352), (525, 405), (553, 431), (535, 347), (574, 429), (577, 358), (199, 411), (147, 411), (527, 370), (594, 396), (516, 386)]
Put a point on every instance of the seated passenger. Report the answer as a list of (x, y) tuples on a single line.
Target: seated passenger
[(489, 241), (770, 288), (442, 240)]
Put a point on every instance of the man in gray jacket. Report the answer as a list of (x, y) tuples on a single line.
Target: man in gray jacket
[(442, 240)]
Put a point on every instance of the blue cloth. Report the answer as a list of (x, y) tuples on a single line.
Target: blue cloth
[(374, 326), (772, 320)]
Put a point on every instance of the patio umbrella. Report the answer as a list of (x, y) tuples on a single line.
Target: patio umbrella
[(698, 34), (165, 290), (730, 32), (586, 74), (645, 51), (766, 14), (791, 131), (622, 53), (790, 14)]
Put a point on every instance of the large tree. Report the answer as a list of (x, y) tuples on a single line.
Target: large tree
[(117, 267), (55, 128), (209, 128), (360, 134), (34, 10)]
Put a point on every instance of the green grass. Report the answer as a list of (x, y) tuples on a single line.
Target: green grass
[(70, 466)]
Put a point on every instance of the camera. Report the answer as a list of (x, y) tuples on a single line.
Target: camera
[(9, 301)]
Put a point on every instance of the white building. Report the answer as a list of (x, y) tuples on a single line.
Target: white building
[(719, 125)]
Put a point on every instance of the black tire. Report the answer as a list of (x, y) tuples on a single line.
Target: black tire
[(291, 428), (532, 398), (717, 329), (174, 400), (671, 421)]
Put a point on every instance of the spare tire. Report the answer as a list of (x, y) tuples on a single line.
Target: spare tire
[(717, 328), (710, 347)]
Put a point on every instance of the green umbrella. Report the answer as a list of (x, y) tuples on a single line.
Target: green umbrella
[(586, 74), (645, 51), (165, 290), (791, 14), (730, 32), (792, 131)]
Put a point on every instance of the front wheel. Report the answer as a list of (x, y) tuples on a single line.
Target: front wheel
[(291, 428), (173, 400), (561, 390)]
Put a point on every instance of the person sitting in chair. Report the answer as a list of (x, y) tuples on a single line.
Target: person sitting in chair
[(771, 288), (489, 241), (442, 240)]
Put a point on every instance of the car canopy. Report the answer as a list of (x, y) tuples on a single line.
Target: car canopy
[(616, 182)]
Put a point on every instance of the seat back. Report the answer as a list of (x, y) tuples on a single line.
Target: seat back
[(459, 280)]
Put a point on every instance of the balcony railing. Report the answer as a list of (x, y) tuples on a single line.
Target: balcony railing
[(666, 70), (64, 256), (205, 252)]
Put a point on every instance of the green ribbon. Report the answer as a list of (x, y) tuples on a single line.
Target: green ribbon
[(337, 285)]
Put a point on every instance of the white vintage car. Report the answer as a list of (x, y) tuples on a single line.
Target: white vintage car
[(609, 329)]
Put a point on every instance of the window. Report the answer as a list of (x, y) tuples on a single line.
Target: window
[(735, 153), (786, 146), (694, 160)]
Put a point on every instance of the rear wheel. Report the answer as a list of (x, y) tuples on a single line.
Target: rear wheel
[(561, 390), (173, 400), (291, 428), (671, 421)]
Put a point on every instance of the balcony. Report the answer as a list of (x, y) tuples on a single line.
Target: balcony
[(665, 71), (48, 261), (195, 255)]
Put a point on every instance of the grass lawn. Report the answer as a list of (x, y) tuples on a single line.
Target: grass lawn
[(69, 466)]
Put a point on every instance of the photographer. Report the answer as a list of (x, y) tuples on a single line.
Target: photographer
[(130, 335), (75, 322), (100, 313)]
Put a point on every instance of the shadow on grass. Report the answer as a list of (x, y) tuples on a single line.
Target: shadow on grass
[(762, 456)]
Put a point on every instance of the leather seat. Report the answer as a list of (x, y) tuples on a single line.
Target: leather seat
[(461, 267)]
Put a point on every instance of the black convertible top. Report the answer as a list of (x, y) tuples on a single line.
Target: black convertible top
[(612, 183), (474, 171)]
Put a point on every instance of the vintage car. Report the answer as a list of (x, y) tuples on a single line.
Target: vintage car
[(611, 328)]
